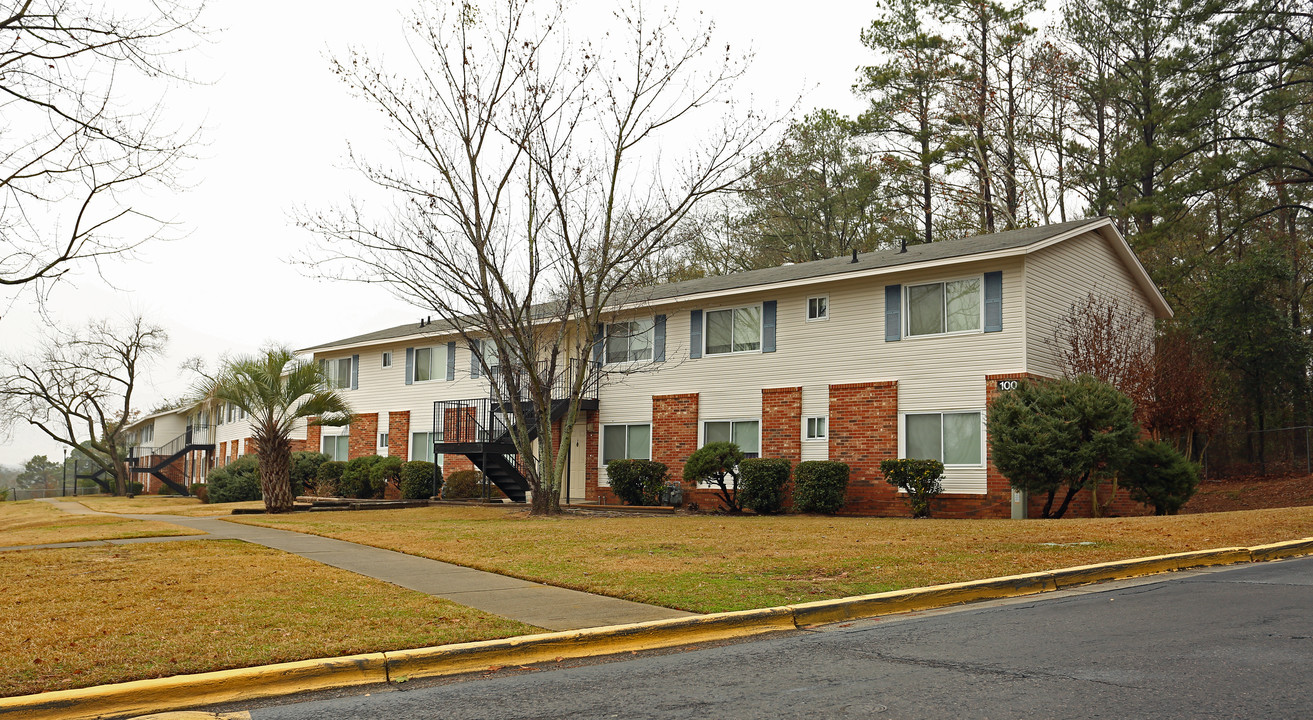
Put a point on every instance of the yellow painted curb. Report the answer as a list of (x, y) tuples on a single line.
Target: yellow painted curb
[(1275, 551), (194, 715), (184, 691), (525, 650), (896, 601)]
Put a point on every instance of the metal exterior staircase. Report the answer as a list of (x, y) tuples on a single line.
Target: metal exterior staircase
[(482, 429), (154, 461)]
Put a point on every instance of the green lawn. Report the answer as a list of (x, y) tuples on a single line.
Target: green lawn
[(710, 563)]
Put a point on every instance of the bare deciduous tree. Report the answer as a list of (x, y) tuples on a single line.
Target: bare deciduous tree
[(73, 145), (530, 186), (78, 388)]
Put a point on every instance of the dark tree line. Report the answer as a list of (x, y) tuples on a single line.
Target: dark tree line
[(1188, 122)]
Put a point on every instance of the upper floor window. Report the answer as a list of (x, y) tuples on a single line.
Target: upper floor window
[(626, 442), (430, 363), (946, 307), (148, 433), (818, 308), (338, 372), (733, 331), (629, 341), (387, 358)]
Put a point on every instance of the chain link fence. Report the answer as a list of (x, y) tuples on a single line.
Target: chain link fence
[(1280, 451)]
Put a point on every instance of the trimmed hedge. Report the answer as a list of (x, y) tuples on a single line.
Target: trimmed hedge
[(135, 488), (417, 479), (637, 482), (305, 470), (358, 480), (387, 471), (918, 478), (328, 478), (762, 486), (465, 485), (819, 486), (238, 481), (717, 463)]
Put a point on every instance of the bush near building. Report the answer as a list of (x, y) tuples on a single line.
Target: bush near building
[(358, 479), (637, 482), (764, 480), (417, 480), (820, 486), (717, 463), (1158, 475), (305, 470), (918, 478), (238, 481), (328, 477)]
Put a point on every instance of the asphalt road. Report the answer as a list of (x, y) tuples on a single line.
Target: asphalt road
[(1230, 643)]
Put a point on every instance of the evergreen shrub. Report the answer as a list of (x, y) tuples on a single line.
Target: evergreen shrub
[(417, 480), (918, 478), (820, 486), (637, 482), (1158, 475), (763, 484), (328, 477), (238, 481)]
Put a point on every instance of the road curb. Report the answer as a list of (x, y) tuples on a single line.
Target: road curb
[(227, 686)]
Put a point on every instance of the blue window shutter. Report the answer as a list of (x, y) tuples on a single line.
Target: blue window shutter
[(994, 301), (768, 326), (659, 338), (893, 313), (474, 358), (451, 361), (695, 334), (410, 365), (355, 372), (599, 337)]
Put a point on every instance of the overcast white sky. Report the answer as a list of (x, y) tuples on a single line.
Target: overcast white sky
[(277, 123)]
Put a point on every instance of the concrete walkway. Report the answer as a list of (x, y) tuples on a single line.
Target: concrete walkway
[(545, 606)]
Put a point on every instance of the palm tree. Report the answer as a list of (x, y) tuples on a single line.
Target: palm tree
[(276, 389)]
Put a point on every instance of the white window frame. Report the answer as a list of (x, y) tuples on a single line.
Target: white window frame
[(902, 434), (324, 435), (330, 370), (434, 374), (806, 428), (382, 440), (907, 308), (819, 318), (601, 441), (761, 330), (387, 359), (148, 433), (606, 341), (702, 428)]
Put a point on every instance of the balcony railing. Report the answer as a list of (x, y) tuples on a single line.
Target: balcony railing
[(490, 419)]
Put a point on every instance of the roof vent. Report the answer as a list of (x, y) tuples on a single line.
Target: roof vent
[(854, 255), (902, 247)]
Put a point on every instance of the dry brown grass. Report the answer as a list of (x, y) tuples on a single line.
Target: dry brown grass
[(708, 563), (87, 616), (161, 505), (35, 523)]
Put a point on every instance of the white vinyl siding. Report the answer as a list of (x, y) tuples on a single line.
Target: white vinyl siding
[(626, 442), (733, 330)]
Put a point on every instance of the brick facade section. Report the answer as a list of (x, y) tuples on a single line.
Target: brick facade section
[(781, 423), (363, 440), (312, 433), (863, 429), (674, 430), (399, 434)]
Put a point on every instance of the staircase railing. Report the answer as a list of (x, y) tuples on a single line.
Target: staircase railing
[(489, 420)]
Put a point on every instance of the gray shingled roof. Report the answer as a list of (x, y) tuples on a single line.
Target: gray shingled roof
[(942, 250)]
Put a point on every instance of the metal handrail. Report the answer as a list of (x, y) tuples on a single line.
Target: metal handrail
[(488, 420)]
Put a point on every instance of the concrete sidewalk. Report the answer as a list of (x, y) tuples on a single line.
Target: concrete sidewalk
[(544, 606)]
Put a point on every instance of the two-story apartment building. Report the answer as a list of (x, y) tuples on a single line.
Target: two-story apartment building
[(886, 354)]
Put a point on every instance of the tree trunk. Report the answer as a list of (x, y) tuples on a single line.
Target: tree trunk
[(1062, 510), (275, 475)]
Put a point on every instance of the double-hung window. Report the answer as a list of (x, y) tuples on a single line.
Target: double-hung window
[(626, 442), (430, 364), (629, 341), (335, 446), (946, 307), (736, 330), (744, 433), (387, 358), (338, 372), (953, 438)]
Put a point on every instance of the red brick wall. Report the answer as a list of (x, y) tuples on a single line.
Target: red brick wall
[(312, 433), (781, 423), (223, 453), (863, 429), (363, 439), (399, 434), (674, 430)]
